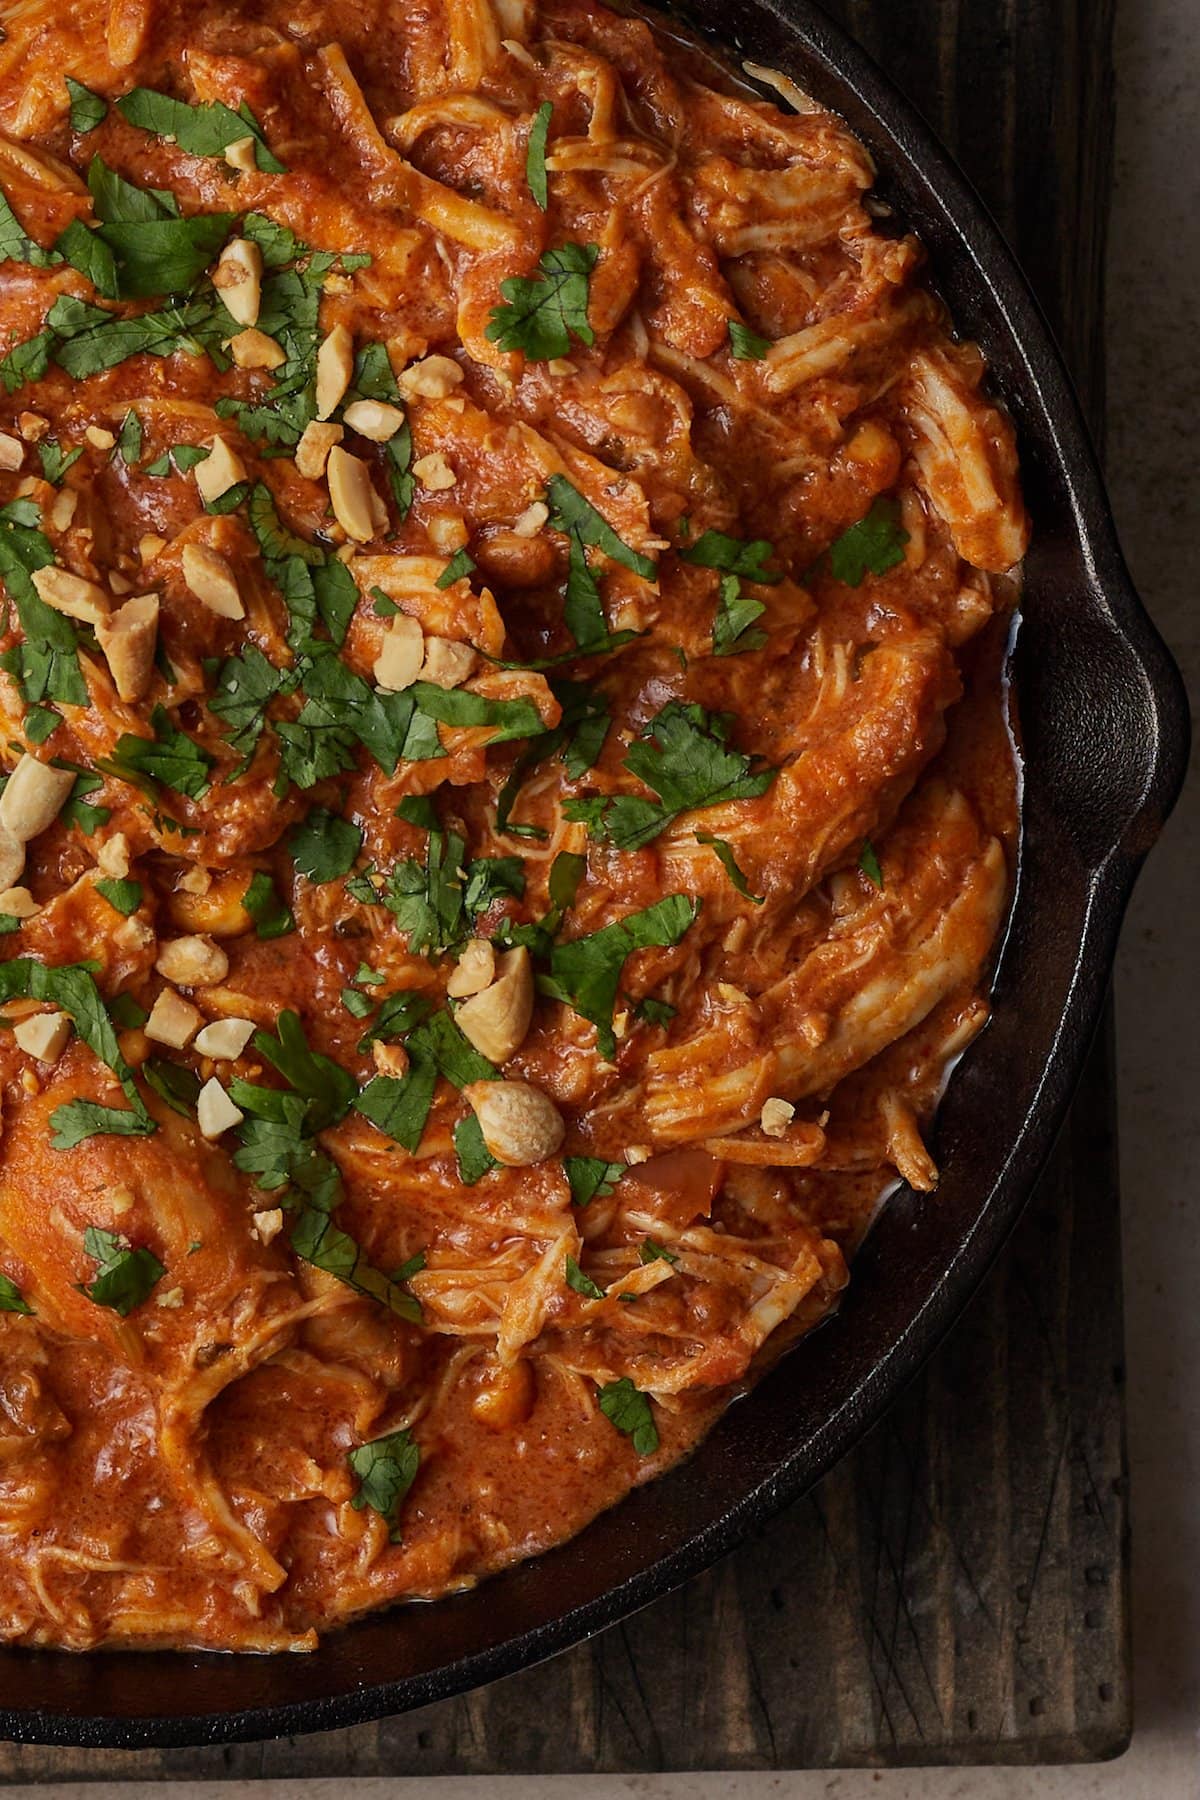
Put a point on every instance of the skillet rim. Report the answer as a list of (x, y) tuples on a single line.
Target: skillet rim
[(840, 74)]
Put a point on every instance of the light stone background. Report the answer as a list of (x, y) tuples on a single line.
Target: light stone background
[(1154, 410)]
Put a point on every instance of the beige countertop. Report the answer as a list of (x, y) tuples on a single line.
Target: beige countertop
[(1154, 404)]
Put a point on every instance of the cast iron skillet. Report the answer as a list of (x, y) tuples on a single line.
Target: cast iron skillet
[(1105, 737)]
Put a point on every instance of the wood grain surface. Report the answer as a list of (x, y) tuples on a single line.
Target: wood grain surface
[(956, 1590)]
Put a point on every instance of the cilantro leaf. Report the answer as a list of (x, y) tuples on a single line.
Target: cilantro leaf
[(204, 130), (11, 1298), (245, 688), (129, 438), (327, 1087), (682, 756), (582, 1284), (26, 361), (586, 972), (272, 919), (655, 1012), (868, 862), (874, 545), (86, 340), (539, 314), (591, 1177), (578, 737), (45, 666), (170, 756), (736, 613), (475, 1160), (15, 243), (316, 1239), (174, 1083), (123, 896), (571, 512), (729, 863), (535, 155), (70, 987), (735, 556), (399, 1106), (746, 345), (56, 461), (124, 1277), (87, 251), (386, 1469), (460, 564), (154, 250), (650, 1250), (87, 109), (324, 846), (629, 1410)]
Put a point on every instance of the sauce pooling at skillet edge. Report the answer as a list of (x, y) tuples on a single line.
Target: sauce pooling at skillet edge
[(508, 798)]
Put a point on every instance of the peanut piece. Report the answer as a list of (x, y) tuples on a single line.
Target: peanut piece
[(238, 279), (335, 366), (128, 640), (474, 970), (401, 654), (520, 1125), (374, 419), (497, 1019), (312, 452), (221, 469), (212, 581), (72, 595), (35, 795), (215, 1111), (173, 1020)]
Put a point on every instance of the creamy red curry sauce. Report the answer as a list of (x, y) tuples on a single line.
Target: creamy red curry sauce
[(507, 802)]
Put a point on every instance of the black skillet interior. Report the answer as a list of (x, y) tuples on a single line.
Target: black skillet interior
[(1105, 736)]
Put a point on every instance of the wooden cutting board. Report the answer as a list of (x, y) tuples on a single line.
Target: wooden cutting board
[(957, 1590)]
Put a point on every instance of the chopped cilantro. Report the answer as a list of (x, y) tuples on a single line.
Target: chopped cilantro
[(204, 130), (571, 512), (586, 972), (873, 546), (174, 1083), (747, 345), (734, 556), (683, 757), (729, 864), (124, 896), (70, 986), (261, 900), (11, 1298), (655, 1012), (538, 315), (129, 438), (650, 1250), (535, 155), (582, 1284), (868, 862), (56, 461), (154, 250), (460, 564), (629, 1410), (87, 109), (45, 666), (736, 612), (323, 846), (591, 1177), (124, 1277), (386, 1469), (40, 723), (358, 1005), (475, 1160), (170, 757)]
